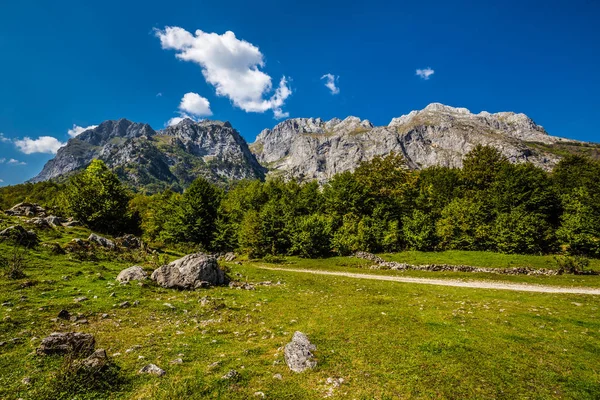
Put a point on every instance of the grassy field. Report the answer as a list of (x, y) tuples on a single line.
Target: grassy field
[(385, 339)]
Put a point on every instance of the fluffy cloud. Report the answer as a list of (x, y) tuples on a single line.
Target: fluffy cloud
[(231, 65), (3, 138), (76, 130), (425, 73), (175, 120), (195, 104), (330, 80), (192, 106), (12, 161), (43, 144)]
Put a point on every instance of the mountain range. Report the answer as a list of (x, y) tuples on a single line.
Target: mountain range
[(303, 148)]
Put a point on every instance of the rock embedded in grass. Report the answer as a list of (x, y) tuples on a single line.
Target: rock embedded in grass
[(102, 241), (97, 360), (152, 369), (69, 342), (298, 353), (231, 375), (190, 272)]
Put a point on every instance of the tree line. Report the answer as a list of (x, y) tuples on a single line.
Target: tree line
[(489, 204)]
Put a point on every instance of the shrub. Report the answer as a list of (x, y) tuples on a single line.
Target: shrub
[(13, 264), (572, 265)]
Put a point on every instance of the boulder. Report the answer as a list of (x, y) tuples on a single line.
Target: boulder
[(19, 235), (135, 273), (130, 242), (96, 361), (71, 222), (26, 210), (54, 221), (190, 272), (39, 223), (101, 241), (76, 245), (298, 353), (69, 342), (152, 369)]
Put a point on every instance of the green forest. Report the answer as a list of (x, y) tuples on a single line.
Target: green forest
[(489, 205)]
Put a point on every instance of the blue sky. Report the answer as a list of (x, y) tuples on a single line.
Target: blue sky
[(79, 63)]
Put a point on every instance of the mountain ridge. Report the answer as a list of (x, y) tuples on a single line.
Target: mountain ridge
[(302, 148)]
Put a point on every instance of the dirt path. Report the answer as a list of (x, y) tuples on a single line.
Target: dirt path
[(520, 287)]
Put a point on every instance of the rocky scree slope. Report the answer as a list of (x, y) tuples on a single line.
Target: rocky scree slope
[(156, 160), (309, 148)]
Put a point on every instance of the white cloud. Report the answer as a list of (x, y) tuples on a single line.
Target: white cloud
[(159, 94), (175, 120), (330, 83), (195, 104), (76, 130), (2, 160), (43, 144), (3, 138), (192, 106), (12, 161), (425, 73), (1, 180), (231, 65)]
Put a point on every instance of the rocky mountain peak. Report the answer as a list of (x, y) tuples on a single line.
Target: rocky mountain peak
[(121, 128), (172, 157)]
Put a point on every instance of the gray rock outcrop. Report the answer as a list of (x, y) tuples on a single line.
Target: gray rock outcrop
[(101, 241), (135, 273), (67, 343), (298, 353), (19, 235), (190, 272), (27, 210)]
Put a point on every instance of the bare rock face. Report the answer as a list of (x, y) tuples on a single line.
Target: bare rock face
[(67, 343), (308, 148), (190, 272), (135, 273), (298, 353), (102, 241)]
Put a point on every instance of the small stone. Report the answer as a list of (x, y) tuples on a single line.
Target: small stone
[(152, 369), (177, 361), (80, 299), (125, 304), (171, 306), (277, 376), (259, 394), (104, 316), (7, 304), (232, 374), (64, 314), (26, 381)]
